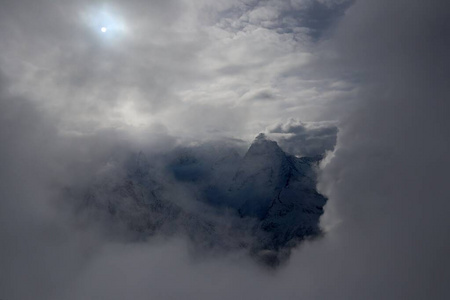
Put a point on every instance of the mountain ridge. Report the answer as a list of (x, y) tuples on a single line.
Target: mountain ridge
[(269, 197)]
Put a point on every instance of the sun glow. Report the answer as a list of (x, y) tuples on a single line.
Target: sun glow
[(104, 21)]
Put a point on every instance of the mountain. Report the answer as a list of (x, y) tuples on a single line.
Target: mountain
[(264, 201), (279, 190)]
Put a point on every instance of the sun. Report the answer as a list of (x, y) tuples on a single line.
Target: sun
[(106, 23)]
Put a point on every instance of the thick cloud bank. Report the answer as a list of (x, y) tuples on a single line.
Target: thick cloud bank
[(71, 99)]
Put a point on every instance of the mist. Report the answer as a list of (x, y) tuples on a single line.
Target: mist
[(363, 83)]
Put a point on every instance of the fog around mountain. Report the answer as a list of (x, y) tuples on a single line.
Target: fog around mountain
[(263, 203), (93, 122)]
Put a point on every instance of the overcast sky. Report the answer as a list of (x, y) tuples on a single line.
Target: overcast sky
[(167, 72)]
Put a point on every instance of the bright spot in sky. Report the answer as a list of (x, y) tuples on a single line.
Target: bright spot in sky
[(105, 22)]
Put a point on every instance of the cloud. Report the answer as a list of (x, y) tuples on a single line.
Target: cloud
[(305, 139), (387, 171), (168, 62), (380, 70)]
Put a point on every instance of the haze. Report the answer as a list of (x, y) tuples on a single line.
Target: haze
[(365, 82)]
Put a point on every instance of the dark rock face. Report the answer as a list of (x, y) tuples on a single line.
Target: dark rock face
[(264, 202)]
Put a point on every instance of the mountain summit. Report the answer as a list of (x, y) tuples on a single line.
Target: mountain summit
[(279, 190), (260, 177)]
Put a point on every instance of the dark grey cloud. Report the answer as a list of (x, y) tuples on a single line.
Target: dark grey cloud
[(387, 173), (381, 72)]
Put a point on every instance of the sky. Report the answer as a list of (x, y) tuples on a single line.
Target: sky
[(370, 76)]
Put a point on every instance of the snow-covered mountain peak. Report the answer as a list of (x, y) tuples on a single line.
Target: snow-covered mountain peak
[(263, 146), (266, 200)]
